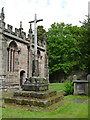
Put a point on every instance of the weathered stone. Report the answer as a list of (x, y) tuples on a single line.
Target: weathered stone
[(33, 94), (81, 87), (19, 101), (10, 100), (88, 78), (74, 77), (33, 101), (26, 102), (57, 99), (17, 56)]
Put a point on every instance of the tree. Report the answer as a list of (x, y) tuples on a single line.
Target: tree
[(40, 33), (63, 47), (84, 44)]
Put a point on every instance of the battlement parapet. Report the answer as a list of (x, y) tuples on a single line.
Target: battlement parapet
[(21, 34), (9, 27), (18, 32), (2, 24)]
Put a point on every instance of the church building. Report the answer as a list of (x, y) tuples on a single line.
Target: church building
[(17, 55)]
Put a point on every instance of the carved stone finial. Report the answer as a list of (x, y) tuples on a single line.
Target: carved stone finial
[(30, 30), (2, 11), (2, 14), (21, 25)]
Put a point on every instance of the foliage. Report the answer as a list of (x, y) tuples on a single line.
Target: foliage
[(68, 47), (63, 47), (84, 44), (69, 87), (40, 33)]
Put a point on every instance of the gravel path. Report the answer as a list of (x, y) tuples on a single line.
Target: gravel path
[(80, 101)]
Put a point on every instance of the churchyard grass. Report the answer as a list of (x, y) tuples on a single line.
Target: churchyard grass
[(73, 106), (57, 86)]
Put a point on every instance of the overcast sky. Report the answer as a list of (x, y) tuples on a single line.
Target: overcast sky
[(68, 11)]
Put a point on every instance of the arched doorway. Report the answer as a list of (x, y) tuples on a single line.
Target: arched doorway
[(22, 77)]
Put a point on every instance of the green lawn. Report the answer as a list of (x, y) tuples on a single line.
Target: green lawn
[(57, 86), (68, 108)]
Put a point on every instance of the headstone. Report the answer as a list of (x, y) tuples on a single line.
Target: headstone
[(88, 78), (74, 77)]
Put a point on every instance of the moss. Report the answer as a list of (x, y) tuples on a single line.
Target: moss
[(52, 101), (10, 100), (25, 102), (57, 99), (36, 103), (19, 101)]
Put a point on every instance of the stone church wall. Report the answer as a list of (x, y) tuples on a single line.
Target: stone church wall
[(17, 54)]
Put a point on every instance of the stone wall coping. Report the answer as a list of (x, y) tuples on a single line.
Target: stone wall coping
[(15, 37), (80, 81)]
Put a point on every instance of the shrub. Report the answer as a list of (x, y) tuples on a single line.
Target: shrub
[(69, 87)]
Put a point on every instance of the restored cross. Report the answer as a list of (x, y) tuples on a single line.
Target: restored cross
[(35, 33), (35, 42)]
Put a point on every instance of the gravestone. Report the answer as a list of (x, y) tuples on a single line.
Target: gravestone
[(80, 87), (88, 78), (74, 77)]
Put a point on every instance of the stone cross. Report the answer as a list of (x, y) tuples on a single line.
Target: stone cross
[(35, 33), (35, 42)]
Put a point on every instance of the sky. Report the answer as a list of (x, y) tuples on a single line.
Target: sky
[(67, 11)]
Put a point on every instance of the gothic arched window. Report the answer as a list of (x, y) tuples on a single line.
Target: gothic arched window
[(11, 56)]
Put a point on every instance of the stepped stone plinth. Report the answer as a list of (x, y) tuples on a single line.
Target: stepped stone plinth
[(34, 93), (35, 84), (41, 99)]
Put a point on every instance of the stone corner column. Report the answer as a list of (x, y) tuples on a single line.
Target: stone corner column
[(46, 68)]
